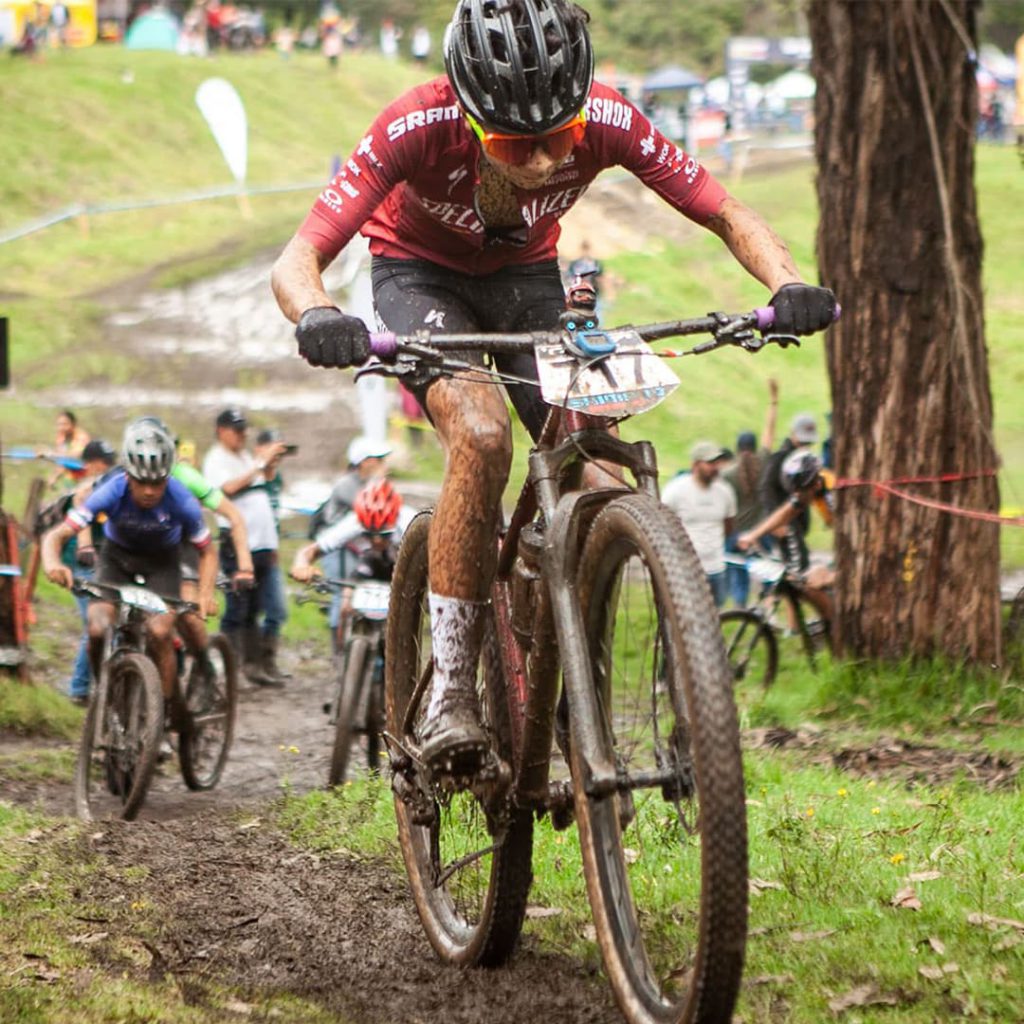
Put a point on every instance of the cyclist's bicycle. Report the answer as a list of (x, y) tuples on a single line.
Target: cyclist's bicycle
[(640, 743), (125, 720), (750, 633), (357, 705)]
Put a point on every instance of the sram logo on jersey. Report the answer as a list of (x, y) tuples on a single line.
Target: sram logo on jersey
[(420, 119), (613, 112)]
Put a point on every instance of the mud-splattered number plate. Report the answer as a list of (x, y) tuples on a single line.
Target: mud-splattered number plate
[(371, 600), (628, 382), (139, 597)]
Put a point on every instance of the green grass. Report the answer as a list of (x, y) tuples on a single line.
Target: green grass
[(38, 710)]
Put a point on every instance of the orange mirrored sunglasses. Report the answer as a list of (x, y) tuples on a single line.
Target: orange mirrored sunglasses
[(517, 149)]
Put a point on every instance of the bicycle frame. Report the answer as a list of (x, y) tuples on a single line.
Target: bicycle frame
[(552, 488)]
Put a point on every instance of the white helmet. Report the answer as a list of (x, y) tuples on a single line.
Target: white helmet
[(147, 451), (362, 448)]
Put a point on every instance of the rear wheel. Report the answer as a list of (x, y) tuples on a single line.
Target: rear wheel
[(467, 854), (211, 698), (357, 669), (116, 760), (664, 852), (751, 648)]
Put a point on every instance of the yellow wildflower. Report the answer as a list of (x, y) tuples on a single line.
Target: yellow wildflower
[(897, 858), (876, 810)]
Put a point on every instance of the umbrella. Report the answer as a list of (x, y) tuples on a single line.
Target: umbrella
[(154, 30), (672, 76)]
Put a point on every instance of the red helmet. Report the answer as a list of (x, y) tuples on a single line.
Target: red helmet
[(377, 506)]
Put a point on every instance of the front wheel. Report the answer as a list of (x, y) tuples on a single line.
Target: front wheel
[(468, 860), (664, 848), (751, 648), (211, 698), (117, 755), (358, 666)]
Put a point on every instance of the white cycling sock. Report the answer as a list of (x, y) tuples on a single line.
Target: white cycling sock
[(456, 627)]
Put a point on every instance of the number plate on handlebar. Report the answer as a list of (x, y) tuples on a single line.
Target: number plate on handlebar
[(371, 600), (139, 597), (632, 380)]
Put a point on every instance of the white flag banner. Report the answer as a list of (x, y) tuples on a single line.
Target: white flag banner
[(220, 104)]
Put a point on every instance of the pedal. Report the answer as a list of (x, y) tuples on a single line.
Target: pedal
[(422, 810)]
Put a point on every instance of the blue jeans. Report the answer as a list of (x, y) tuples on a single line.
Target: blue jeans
[(719, 587), (738, 576), (273, 600), (81, 675)]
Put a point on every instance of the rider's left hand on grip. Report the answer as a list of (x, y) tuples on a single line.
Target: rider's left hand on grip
[(803, 309)]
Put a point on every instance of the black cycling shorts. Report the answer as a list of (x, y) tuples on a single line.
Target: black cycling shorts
[(160, 571), (412, 295)]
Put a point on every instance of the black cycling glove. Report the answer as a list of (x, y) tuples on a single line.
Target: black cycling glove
[(803, 309), (328, 337)]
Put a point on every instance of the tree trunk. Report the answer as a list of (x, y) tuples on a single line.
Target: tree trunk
[(899, 243)]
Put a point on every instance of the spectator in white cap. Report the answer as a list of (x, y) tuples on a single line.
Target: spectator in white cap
[(367, 460), (707, 508)]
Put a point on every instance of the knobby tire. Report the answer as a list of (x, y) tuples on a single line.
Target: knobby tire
[(114, 780), (204, 746), (473, 917), (358, 666), (680, 720), (751, 648)]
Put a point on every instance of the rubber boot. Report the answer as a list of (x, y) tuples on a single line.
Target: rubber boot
[(453, 742), (268, 663), (252, 658)]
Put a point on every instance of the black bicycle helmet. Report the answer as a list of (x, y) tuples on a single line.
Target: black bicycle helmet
[(520, 66), (800, 470)]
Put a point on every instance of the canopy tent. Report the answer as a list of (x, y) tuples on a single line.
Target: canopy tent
[(793, 85), (671, 76), (154, 30)]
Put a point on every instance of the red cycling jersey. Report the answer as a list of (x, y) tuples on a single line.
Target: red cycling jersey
[(410, 185)]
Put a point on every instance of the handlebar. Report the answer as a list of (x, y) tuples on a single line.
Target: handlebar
[(725, 328), (112, 592)]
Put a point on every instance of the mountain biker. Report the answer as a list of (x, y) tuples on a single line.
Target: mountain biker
[(807, 484), (459, 185), (147, 516), (368, 536)]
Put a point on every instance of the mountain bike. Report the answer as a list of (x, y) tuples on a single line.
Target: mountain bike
[(750, 634), (357, 705), (125, 720), (639, 744)]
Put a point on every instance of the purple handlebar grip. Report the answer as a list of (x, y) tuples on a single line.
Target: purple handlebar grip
[(766, 316), (383, 344)]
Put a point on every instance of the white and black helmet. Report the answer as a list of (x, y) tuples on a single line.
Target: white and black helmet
[(800, 470), (147, 451), (520, 66)]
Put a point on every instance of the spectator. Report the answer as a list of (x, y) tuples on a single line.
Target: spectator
[(707, 508), (70, 439), (243, 478), (79, 555), (420, 46), (59, 20), (389, 36), (275, 610), (744, 476), (332, 47)]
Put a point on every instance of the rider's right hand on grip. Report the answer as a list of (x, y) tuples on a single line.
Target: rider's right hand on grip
[(328, 337), (803, 309)]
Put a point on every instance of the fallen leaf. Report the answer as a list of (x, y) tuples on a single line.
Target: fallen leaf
[(536, 913), (34, 836), (923, 876), (862, 995), (931, 973), (938, 946), (771, 979), (1009, 942), (237, 1006), (255, 823), (629, 855), (758, 885), (88, 939), (992, 923), (811, 936), (950, 968), (906, 899)]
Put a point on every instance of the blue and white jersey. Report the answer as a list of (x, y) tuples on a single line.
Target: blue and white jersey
[(177, 517)]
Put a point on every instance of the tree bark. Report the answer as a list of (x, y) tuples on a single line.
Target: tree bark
[(899, 242)]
